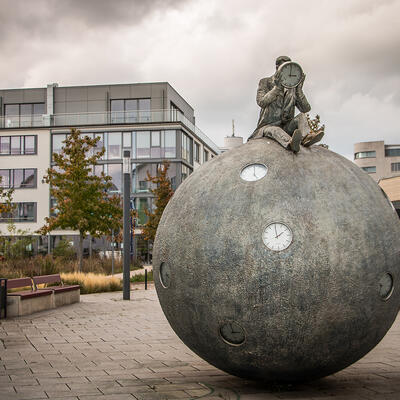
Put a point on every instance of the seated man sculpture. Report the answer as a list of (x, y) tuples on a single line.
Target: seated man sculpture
[(277, 120)]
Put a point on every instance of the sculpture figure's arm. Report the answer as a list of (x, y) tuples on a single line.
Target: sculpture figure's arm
[(267, 93), (301, 101)]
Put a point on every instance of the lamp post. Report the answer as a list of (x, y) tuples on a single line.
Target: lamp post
[(127, 226)]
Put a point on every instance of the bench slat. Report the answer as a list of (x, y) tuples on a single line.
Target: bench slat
[(54, 278), (19, 283)]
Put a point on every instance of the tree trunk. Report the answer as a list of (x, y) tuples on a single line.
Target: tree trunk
[(80, 251)]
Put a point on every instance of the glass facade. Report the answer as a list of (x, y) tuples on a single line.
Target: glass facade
[(18, 145), (139, 176), (115, 171), (18, 178), (141, 144)]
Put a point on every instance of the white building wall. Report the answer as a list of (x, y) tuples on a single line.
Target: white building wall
[(40, 161)]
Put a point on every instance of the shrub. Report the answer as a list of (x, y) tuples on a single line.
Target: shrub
[(140, 277), (92, 283), (64, 250)]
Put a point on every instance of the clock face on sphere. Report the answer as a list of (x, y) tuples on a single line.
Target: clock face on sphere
[(277, 236), (291, 74), (386, 286), (232, 333), (253, 172), (165, 275)]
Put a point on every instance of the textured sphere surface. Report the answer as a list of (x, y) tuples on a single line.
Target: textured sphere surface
[(300, 313)]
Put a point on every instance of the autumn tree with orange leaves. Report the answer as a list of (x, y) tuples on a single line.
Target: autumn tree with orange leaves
[(162, 192), (83, 201)]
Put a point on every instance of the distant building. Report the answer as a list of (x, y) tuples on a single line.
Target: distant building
[(151, 120), (382, 162), (231, 141), (391, 187), (378, 159)]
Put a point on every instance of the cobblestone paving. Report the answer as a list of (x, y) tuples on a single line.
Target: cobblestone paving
[(108, 349)]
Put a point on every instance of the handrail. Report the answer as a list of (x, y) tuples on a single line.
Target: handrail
[(105, 118)]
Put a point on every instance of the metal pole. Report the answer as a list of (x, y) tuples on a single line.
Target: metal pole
[(112, 252), (127, 226), (145, 279)]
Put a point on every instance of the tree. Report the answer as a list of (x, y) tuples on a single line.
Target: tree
[(83, 201), (163, 192)]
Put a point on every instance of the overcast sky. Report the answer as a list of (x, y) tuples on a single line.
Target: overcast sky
[(215, 52)]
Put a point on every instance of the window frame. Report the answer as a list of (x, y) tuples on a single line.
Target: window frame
[(22, 146), (28, 119), (131, 116), (14, 215), (11, 178)]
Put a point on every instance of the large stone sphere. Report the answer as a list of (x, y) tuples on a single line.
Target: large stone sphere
[(290, 276)]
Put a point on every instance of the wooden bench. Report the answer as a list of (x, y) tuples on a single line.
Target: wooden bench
[(63, 294), (24, 302)]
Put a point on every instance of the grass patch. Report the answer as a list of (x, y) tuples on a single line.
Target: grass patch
[(140, 278), (92, 283)]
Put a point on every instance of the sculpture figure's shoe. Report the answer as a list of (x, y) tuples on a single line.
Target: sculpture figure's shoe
[(311, 139), (296, 140)]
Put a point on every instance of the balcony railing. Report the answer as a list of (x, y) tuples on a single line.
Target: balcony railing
[(104, 118)]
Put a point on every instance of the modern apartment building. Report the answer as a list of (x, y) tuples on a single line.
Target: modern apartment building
[(150, 119), (382, 162)]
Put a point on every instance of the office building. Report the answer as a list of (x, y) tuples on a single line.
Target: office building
[(150, 119)]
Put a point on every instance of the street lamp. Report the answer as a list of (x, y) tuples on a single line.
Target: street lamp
[(127, 225)]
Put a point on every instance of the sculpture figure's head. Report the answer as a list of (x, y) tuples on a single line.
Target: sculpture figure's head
[(280, 60)]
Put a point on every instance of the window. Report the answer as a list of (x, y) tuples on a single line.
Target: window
[(187, 148), (392, 152), (197, 152), (365, 154), (170, 144), (175, 113), (205, 156), (143, 144), (369, 170), (22, 212), (186, 171), (396, 167), (155, 151), (18, 178), (127, 140), (24, 114), (139, 176), (57, 143), (130, 110), (115, 171), (18, 145), (114, 145)]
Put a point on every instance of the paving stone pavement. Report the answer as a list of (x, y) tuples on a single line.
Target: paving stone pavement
[(109, 349)]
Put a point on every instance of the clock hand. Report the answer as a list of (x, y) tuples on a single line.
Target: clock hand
[(276, 233)]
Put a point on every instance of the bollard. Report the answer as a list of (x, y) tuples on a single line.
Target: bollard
[(145, 279)]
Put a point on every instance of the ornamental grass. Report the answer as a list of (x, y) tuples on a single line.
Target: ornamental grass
[(92, 283)]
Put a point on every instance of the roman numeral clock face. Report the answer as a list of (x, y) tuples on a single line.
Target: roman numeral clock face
[(277, 236)]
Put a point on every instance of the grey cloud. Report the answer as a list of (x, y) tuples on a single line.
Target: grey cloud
[(214, 54), (29, 19)]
